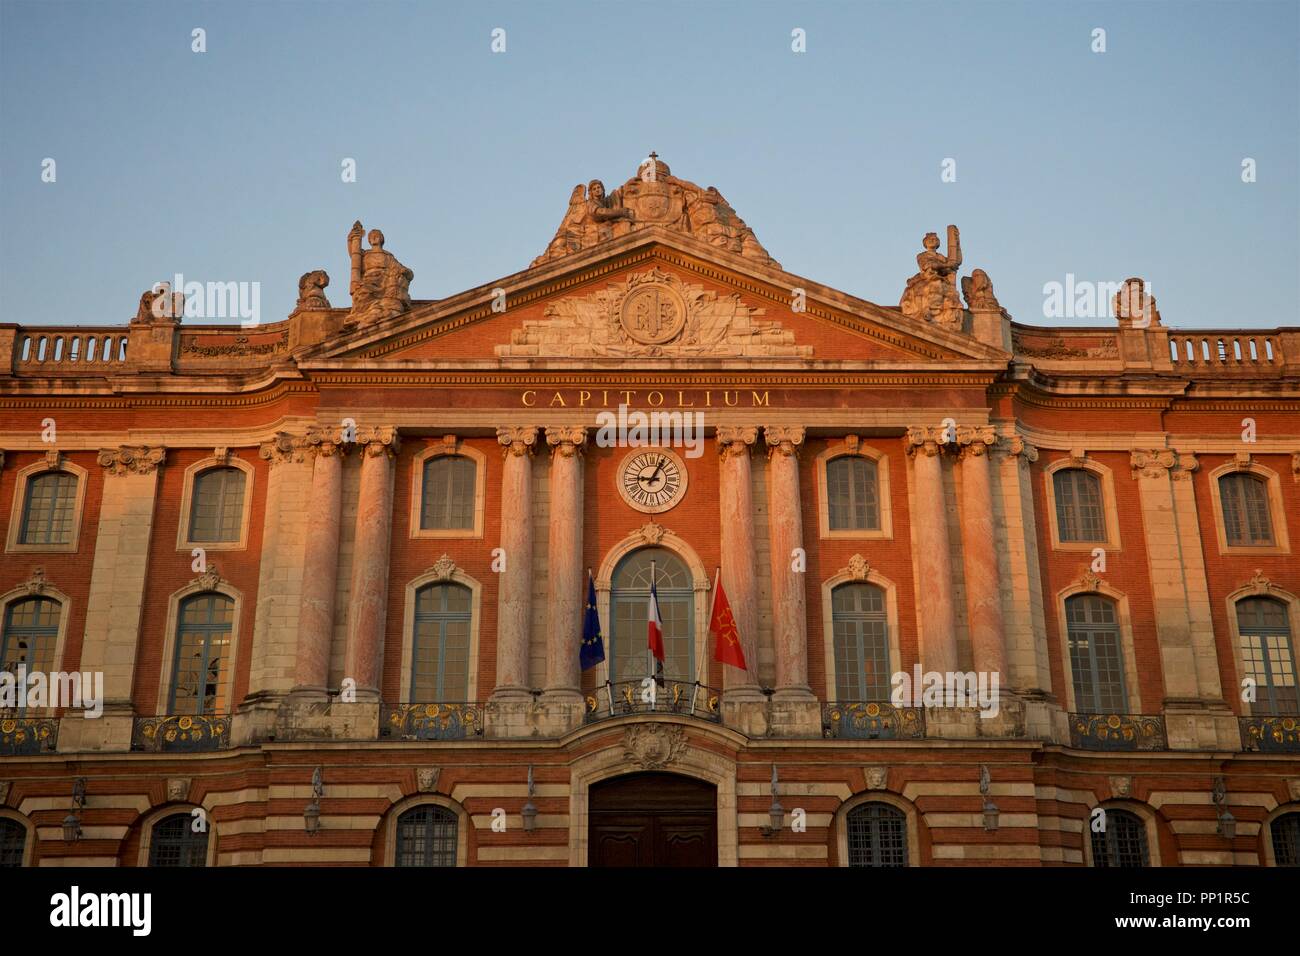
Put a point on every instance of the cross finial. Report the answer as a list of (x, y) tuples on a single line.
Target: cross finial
[(653, 154)]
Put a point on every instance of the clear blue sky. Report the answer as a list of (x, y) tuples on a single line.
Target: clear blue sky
[(225, 166)]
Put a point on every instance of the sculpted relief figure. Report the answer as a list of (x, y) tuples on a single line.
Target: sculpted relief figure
[(652, 197), (931, 294), (380, 284), (311, 290)]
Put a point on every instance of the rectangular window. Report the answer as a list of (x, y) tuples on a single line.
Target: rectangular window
[(853, 501), (1246, 521), (447, 498), (1096, 655), (48, 510), (1079, 516), (217, 509)]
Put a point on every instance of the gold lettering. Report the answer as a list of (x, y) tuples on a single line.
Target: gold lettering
[(558, 400), (583, 395), (731, 402), (708, 399), (533, 401), (681, 400), (604, 398), (627, 397), (651, 399), (758, 398)]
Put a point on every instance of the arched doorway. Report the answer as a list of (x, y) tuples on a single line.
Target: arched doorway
[(653, 819)]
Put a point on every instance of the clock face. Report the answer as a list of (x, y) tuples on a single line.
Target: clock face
[(652, 480)]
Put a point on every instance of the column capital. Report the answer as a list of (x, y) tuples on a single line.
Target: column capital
[(1013, 446), (783, 439), (324, 441), (734, 440), (565, 440), (517, 440), (1186, 464), (282, 447), (975, 440), (927, 440), (132, 459), (379, 440), (1152, 462)]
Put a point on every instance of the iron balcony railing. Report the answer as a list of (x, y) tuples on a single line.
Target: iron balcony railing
[(430, 721), (1117, 732), (685, 698), (181, 733), (1271, 734), (872, 720), (24, 736)]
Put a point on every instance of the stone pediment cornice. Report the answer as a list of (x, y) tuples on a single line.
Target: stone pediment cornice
[(761, 281)]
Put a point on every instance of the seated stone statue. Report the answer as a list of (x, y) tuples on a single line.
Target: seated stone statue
[(931, 294), (380, 284)]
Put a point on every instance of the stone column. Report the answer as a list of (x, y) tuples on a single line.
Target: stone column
[(795, 711), (320, 569), (368, 598), (1191, 721), (514, 601), (933, 561), (565, 584), (979, 553), (736, 511), (117, 592)]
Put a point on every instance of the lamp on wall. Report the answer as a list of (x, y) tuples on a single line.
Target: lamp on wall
[(775, 813), (72, 822), (311, 815), (1227, 822), (529, 812), (990, 808)]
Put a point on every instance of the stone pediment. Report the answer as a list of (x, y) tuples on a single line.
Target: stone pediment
[(652, 313), (653, 294)]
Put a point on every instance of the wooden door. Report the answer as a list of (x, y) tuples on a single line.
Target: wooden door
[(653, 819)]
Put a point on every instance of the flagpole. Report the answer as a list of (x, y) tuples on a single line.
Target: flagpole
[(654, 600), (609, 687), (699, 663)]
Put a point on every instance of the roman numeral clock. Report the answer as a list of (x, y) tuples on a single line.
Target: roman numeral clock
[(652, 481)]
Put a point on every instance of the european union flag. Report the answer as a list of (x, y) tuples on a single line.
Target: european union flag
[(593, 645)]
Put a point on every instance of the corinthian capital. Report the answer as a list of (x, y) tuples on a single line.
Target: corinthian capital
[(517, 439), (783, 439), (565, 440), (132, 459), (379, 440), (1152, 463), (735, 440)]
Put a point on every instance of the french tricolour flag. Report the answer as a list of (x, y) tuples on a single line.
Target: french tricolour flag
[(656, 625)]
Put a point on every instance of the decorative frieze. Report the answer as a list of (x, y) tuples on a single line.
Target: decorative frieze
[(132, 460)]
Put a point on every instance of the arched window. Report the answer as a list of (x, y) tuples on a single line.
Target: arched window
[(440, 655), (49, 508), (13, 842), (175, 843), (447, 494), (1079, 515), (861, 643), (877, 835), (1246, 521), (1122, 843), (426, 836), (628, 608), (1268, 654), (1285, 830), (1096, 654), (31, 630), (201, 669), (852, 495), (217, 505)]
